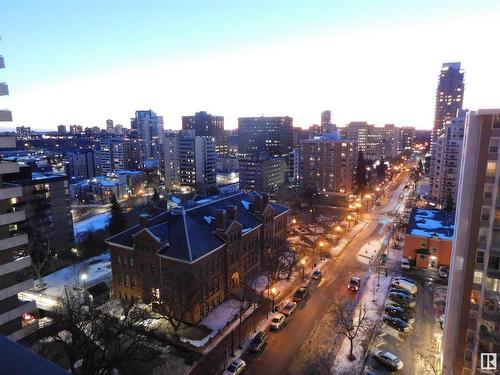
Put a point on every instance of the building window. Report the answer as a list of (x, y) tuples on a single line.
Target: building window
[(131, 262), (494, 263), (127, 280), (491, 168), (488, 191), (118, 259), (433, 250), (132, 282), (480, 257), (474, 297), (493, 146), (120, 279), (423, 244), (478, 277), (485, 213), (142, 267)]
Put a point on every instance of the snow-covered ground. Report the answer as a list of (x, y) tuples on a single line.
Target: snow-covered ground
[(97, 269), (217, 320), (337, 249), (93, 223), (341, 364), (260, 285)]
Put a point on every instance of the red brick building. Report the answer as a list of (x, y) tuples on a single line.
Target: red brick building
[(429, 238), (196, 257)]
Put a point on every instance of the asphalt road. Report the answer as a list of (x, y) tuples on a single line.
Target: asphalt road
[(283, 346)]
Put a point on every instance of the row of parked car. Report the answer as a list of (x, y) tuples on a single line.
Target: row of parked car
[(278, 320), (398, 314)]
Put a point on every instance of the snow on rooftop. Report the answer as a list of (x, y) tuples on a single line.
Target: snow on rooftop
[(245, 204), (176, 200), (209, 219), (97, 269), (431, 223)]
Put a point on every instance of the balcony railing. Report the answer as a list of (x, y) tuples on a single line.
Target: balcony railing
[(25, 331), (16, 264), (8, 191), (23, 308), (8, 167), (16, 288), (5, 115), (13, 241), (12, 217)]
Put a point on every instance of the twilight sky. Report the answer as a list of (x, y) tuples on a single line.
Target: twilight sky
[(83, 61)]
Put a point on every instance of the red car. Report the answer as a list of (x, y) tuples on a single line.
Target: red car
[(354, 284)]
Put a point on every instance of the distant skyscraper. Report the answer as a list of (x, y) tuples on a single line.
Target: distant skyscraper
[(23, 133), (326, 164), (262, 173), (326, 122), (472, 324), (112, 155), (149, 129), (190, 161), (109, 126), (273, 135), (449, 95), (205, 124), (61, 129), (81, 164), (76, 129), (445, 167), (375, 142)]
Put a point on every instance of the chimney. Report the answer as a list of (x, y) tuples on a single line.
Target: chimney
[(220, 220), (232, 212), (265, 199), (144, 220), (257, 204)]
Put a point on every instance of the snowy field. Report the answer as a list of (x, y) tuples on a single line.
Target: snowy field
[(93, 223)]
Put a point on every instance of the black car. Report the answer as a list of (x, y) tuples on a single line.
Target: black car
[(403, 291), (398, 312), (300, 294), (397, 323), (258, 342), (402, 299)]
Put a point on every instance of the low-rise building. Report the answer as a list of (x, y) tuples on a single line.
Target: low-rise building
[(195, 257), (429, 238)]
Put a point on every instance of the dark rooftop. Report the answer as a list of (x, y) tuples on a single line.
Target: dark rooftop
[(431, 224), (188, 233)]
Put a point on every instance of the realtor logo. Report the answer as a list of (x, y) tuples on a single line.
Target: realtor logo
[(488, 361)]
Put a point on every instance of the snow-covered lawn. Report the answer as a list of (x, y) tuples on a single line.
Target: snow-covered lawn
[(261, 285), (217, 320), (94, 223), (341, 364)]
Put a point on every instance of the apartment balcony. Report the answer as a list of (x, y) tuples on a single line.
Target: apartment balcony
[(13, 241), (8, 166), (5, 115), (16, 264), (4, 89), (7, 142), (8, 191), (23, 308), (12, 217), (16, 288), (25, 331)]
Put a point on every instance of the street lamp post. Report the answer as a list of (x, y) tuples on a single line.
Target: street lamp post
[(303, 262), (349, 219), (273, 292), (367, 198), (84, 279), (321, 244)]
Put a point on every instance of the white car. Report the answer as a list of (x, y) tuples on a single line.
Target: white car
[(405, 264), (389, 360), (403, 284), (289, 308), (277, 321), (443, 272), (236, 367)]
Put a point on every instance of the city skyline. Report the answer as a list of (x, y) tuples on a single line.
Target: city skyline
[(293, 60)]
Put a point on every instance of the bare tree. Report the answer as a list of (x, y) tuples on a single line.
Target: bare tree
[(428, 364), (95, 340), (350, 319)]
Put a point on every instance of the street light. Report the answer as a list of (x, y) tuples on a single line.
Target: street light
[(84, 276), (303, 262), (294, 221), (273, 292), (349, 218), (321, 244)]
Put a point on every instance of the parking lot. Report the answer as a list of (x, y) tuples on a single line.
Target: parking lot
[(417, 347)]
